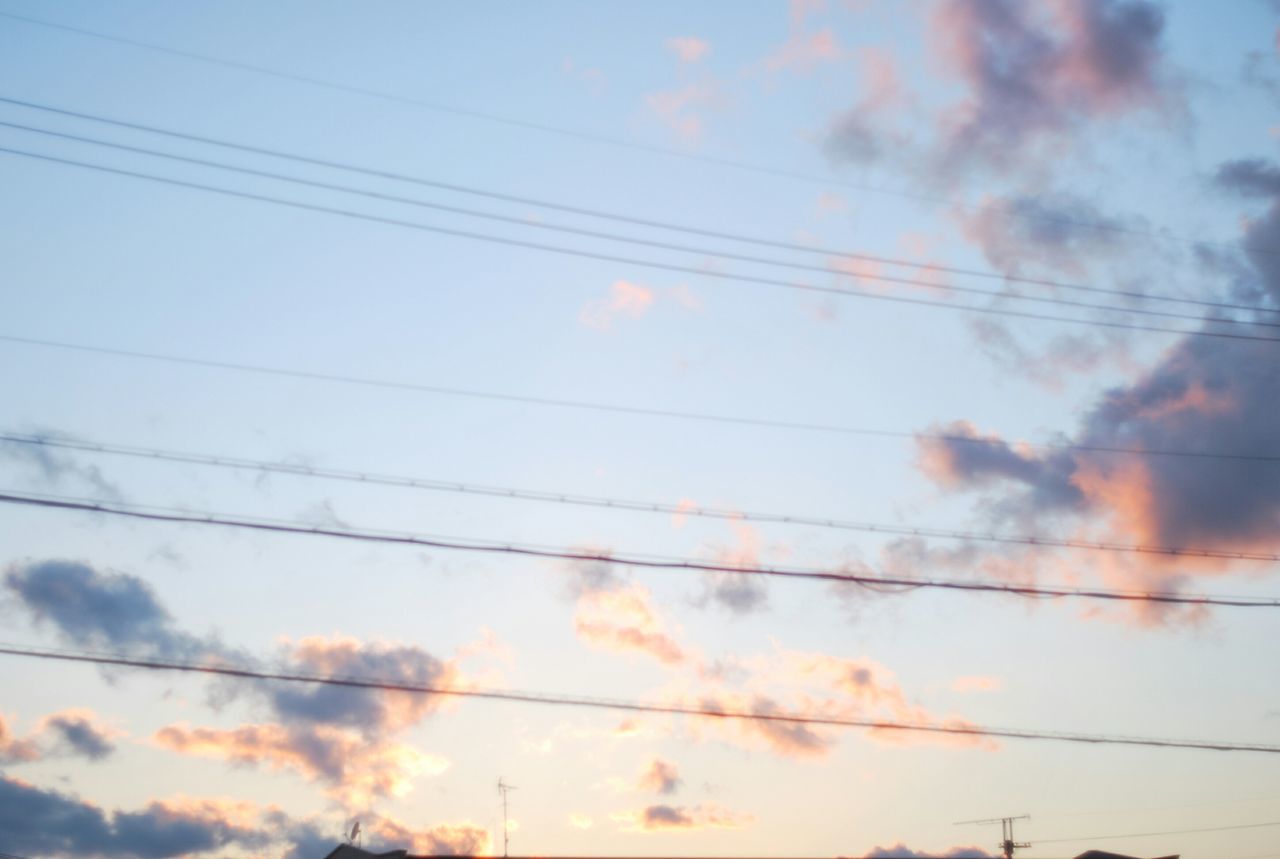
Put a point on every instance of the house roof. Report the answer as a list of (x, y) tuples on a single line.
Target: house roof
[(348, 851)]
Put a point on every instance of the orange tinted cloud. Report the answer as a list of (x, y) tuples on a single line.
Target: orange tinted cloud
[(977, 683), (355, 770), (625, 620)]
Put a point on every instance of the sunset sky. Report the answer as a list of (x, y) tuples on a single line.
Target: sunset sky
[(1119, 157)]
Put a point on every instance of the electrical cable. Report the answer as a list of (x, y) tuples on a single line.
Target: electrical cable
[(619, 142), (159, 514), (1153, 834), (632, 505), (609, 257), (596, 213), (753, 715), (625, 239), (613, 408)]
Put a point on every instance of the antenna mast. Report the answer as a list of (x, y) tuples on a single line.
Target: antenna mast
[(503, 787), (1007, 844)]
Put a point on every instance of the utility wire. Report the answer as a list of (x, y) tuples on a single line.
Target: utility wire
[(627, 239), (591, 137), (1153, 834), (614, 408), (597, 213), (352, 682), (680, 509), (159, 514), (608, 257)]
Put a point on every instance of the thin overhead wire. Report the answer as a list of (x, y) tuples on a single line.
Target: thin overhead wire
[(1153, 834), (615, 408), (653, 264), (675, 709), (597, 213), (526, 223), (625, 504), (591, 137), (170, 515)]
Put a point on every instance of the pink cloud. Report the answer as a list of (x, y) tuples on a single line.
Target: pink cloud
[(625, 299), (661, 777), (690, 49)]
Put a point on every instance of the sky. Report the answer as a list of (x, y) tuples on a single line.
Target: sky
[(923, 184)]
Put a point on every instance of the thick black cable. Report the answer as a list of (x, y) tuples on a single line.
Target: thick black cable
[(945, 729), (596, 213), (631, 560), (662, 266), (625, 239), (622, 143), (626, 504), (613, 408)]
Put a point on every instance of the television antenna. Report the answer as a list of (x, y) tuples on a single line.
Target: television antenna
[(503, 787), (1007, 844), (353, 836)]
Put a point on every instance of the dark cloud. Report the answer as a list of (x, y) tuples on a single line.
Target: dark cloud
[(1202, 394), (93, 609), (42, 822), (1033, 77), (666, 816), (78, 735), (54, 468), (372, 711), (739, 593), (1249, 177), (1255, 178), (1028, 234)]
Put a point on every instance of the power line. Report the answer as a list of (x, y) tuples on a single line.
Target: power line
[(614, 408), (609, 257), (754, 715), (626, 239), (591, 137), (1153, 834), (594, 213), (162, 514), (633, 505)]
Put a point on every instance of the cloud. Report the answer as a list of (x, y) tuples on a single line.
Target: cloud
[(79, 732), (740, 593), (1042, 233), (624, 620), (682, 109), (375, 712), (580, 821), (102, 610), (355, 769), (41, 822), (626, 299), (660, 777), (690, 49), (901, 851), (977, 683), (14, 750), (668, 818), (54, 467), (858, 135), (1033, 78), (816, 684)]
